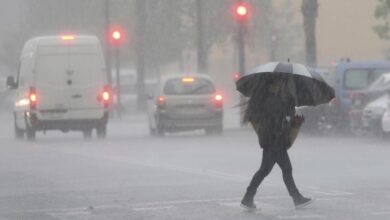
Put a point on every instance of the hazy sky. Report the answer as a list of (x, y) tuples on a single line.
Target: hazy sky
[(344, 29)]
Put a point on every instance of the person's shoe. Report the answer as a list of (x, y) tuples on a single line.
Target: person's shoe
[(248, 204), (302, 202)]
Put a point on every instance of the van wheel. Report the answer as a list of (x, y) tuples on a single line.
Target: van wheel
[(87, 134), (30, 133), (101, 131)]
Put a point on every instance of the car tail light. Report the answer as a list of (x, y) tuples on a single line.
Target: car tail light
[(105, 96), (218, 100), (33, 97), (160, 101)]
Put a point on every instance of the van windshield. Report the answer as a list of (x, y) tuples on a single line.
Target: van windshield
[(356, 79), (198, 87)]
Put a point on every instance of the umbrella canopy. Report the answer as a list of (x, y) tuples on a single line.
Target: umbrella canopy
[(308, 88)]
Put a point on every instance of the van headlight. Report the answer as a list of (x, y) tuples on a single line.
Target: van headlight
[(22, 102)]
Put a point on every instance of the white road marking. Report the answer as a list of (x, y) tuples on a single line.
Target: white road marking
[(332, 199), (381, 213), (231, 204), (68, 215), (300, 216), (143, 209), (332, 193)]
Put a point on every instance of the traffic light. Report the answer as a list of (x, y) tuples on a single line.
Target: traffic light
[(116, 36), (236, 76), (241, 11)]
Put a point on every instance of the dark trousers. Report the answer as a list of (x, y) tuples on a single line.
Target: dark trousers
[(271, 157)]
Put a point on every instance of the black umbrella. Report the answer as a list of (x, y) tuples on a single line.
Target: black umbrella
[(309, 88)]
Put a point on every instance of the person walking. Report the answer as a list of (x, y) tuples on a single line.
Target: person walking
[(271, 111)]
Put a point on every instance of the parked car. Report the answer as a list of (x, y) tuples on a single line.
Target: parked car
[(354, 76), (373, 114), (385, 122), (182, 103), (62, 85), (362, 97)]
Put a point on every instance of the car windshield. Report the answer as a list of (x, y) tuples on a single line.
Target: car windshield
[(356, 79), (196, 87)]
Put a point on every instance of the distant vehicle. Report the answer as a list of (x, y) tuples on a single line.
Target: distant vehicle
[(128, 81), (182, 103), (354, 76), (385, 122), (128, 88), (373, 114), (361, 98), (62, 84)]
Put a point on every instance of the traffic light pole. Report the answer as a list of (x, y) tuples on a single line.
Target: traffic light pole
[(107, 44), (241, 65), (118, 87)]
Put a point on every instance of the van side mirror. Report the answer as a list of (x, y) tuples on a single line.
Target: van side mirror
[(11, 84)]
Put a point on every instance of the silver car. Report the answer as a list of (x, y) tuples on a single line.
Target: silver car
[(182, 103)]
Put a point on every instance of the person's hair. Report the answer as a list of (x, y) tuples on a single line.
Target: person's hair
[(261, 91)]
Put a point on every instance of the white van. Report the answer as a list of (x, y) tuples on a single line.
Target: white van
[(62, 84)]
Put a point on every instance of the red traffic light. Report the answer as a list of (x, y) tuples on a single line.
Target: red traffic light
[(116, 35), (236, 76), (241, 11)]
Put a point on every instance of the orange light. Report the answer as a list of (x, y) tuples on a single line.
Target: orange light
[(116, 35), (33, 97), (218, 97), (68, 37), (188, 80), (161, 101), (161, 98), (242, 10)]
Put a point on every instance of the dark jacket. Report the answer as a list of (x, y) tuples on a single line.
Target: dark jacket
[(270, 116)]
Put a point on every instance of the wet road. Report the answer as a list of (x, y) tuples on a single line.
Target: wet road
[(186, 176)]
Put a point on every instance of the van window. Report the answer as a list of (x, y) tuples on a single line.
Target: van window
[(356, 79), (198, 86)]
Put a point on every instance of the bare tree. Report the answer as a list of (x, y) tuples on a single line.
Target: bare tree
[(310, 13)]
